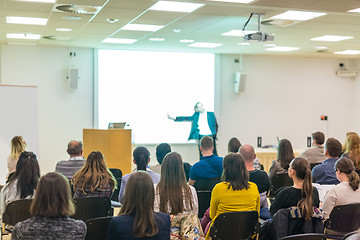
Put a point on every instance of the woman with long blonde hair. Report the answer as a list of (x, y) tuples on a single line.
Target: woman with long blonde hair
[(18, 145), (352, 149), (94, 178)]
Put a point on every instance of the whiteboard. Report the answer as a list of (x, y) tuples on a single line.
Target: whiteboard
[(18, 117)]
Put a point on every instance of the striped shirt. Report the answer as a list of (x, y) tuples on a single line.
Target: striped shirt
[(69, 167)]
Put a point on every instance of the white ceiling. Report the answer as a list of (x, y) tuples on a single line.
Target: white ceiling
[(206, 24)]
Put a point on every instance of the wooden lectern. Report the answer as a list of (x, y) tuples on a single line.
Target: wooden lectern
[(115, 144)]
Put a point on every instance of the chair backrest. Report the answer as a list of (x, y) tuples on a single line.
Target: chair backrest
[(97, 228), (352, 236), (203, 189), (235, 225), (344, 218), (305, 236), (278, 181), (91, 207), (118, 176), (17, 211)]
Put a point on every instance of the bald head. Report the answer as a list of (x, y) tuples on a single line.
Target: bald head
[(74, 148), (247, 152)]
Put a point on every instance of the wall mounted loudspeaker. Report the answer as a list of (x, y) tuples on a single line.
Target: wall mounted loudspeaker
[(240, 82), (73, 77)]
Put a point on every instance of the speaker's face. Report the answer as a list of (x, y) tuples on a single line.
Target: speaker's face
[(199, 107)]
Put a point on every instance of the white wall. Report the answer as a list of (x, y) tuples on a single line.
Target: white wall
[(284, 97), (63, 112)]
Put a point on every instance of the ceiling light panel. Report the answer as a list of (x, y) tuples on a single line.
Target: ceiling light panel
[(205, 45), (331, 38), (348, 52), (28, 36), (282, 49), (175, 6), (142, 27), (119, 40), (40, 1), (356, 10), (63, 29), (298, 15), (157, 39), (186, 41), (234, 1), (26, 20)]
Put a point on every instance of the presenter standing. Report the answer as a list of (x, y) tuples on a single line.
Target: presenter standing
[(203, 124)]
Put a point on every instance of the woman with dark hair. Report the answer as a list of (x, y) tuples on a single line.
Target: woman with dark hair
[(352, 149), (284, 156), (137, 219), (141, 157), (50, 209), (173, 195), (235, 193), (94, 178), (234, 145), (23, 183), (347, 191), (302, 194), (161, 150)]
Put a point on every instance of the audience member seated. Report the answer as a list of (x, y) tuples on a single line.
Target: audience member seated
[(141, 157), (234, 145), (18, 145), (315, 154), (259, 177), (236, 193), (348, 134), (161, 150), (50, 209), (76, 161), (284, 156), (352, 150), (347, 191), (23, 183), (209, 166), (136, 219), (187, 167), (302, 194), (94, 178), (324, 173), (172, 194)]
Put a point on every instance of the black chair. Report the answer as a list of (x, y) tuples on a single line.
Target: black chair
[(312, 165), (91, 207), (97, 228), (343, 219), (117, 173), (279, 181), (305, 236), (17, 211), (203, 189), (352, 236), (235, 225)]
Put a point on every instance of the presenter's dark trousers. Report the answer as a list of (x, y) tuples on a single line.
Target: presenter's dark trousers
[(214, 142)]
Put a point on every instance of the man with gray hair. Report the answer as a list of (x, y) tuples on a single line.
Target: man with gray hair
[(259, 177), (76, 161)]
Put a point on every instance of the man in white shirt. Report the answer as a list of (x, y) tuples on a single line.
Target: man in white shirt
[(315, 154)]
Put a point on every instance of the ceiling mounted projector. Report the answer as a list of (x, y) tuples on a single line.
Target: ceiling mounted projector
[(259, 35)]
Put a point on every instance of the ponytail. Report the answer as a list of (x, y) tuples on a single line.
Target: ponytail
[(345, 165), (141, 156), (306, 203), (354, 180)]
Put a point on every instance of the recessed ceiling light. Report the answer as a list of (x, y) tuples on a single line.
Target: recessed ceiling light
[(356, 10), (270, 45), (331, 38), (112, 20), (243, 43), (71, 18), (321, 48), (237, 33), (23, 36), (282, 49), (157, 39), (298, 15), (119, 40), (205, 45), (176, 30), (63, 29), (142, 27), (40, 1), (175, 6), (234, 1), (348, 52), (26, 20), (186, 41)]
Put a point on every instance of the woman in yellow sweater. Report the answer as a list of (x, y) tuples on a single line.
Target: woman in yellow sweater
[(235, 193)]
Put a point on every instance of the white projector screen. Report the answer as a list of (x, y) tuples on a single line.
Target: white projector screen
[(141, 88)]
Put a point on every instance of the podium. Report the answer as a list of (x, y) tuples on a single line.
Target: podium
[(115, 144)]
